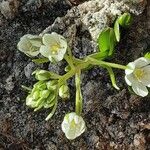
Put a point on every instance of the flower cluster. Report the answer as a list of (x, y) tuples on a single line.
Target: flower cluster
[(64, 92), (52, 46), (43, 95)]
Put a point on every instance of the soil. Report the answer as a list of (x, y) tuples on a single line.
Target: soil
[(115, 120)]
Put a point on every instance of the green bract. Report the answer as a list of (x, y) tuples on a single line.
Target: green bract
[(54, 48), (30, 44), (73, 125)]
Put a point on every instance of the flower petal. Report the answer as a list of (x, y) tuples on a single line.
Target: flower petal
[(130, 69), (141, 62), (146, 77), (130, 79), (140, 89), (44, 50), (50, 39)]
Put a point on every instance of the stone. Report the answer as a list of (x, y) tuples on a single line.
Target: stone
[(9, 8)]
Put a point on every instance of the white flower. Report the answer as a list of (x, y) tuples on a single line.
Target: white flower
[(30, 44), (73, 125), (138, 76), (54, 47)]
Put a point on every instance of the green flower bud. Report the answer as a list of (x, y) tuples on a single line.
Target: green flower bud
[(44, 93), (52, 85), (41, 96), (41, 85), (36, 95), (42, 75), (64, 92), (30, 101), (30, 44)]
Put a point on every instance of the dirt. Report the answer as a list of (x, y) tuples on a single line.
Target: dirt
[(115, 119)]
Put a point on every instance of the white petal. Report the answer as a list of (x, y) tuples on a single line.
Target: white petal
[(146, 77), (140, 89), (24, 45), (65, 127), (44, 50), (49, 39), (131, 67), (35, 53), (130, 79), (71, 116), (71, 134), (127, 81), (141, 62), (59, 56)]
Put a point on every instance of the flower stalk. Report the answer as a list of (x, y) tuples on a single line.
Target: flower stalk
[(78, 106)]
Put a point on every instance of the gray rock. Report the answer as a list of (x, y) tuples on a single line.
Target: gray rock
[(29, 69), (9, 8), (9, 86)]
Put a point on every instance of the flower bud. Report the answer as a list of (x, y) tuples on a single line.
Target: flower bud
[(64, 92), (73, 125), (41, 96), (43, 75), (52, 85)]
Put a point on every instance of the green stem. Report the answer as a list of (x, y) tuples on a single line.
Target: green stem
[(69, 52), (26, 88), (78, 93), (55, 106), (100, 62), (69, 61), (65, 77), (53, 111)]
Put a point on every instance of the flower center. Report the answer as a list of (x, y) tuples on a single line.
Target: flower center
[(139, 73), (55, 48)]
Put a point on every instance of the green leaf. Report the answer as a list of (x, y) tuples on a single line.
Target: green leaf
[(125, 20), (117, 30), (100, 55), (40, 60), (147, 55), (103, 40), (107, 40), (112, 41)]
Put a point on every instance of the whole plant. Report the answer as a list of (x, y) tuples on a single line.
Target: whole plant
[(50, 86)]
